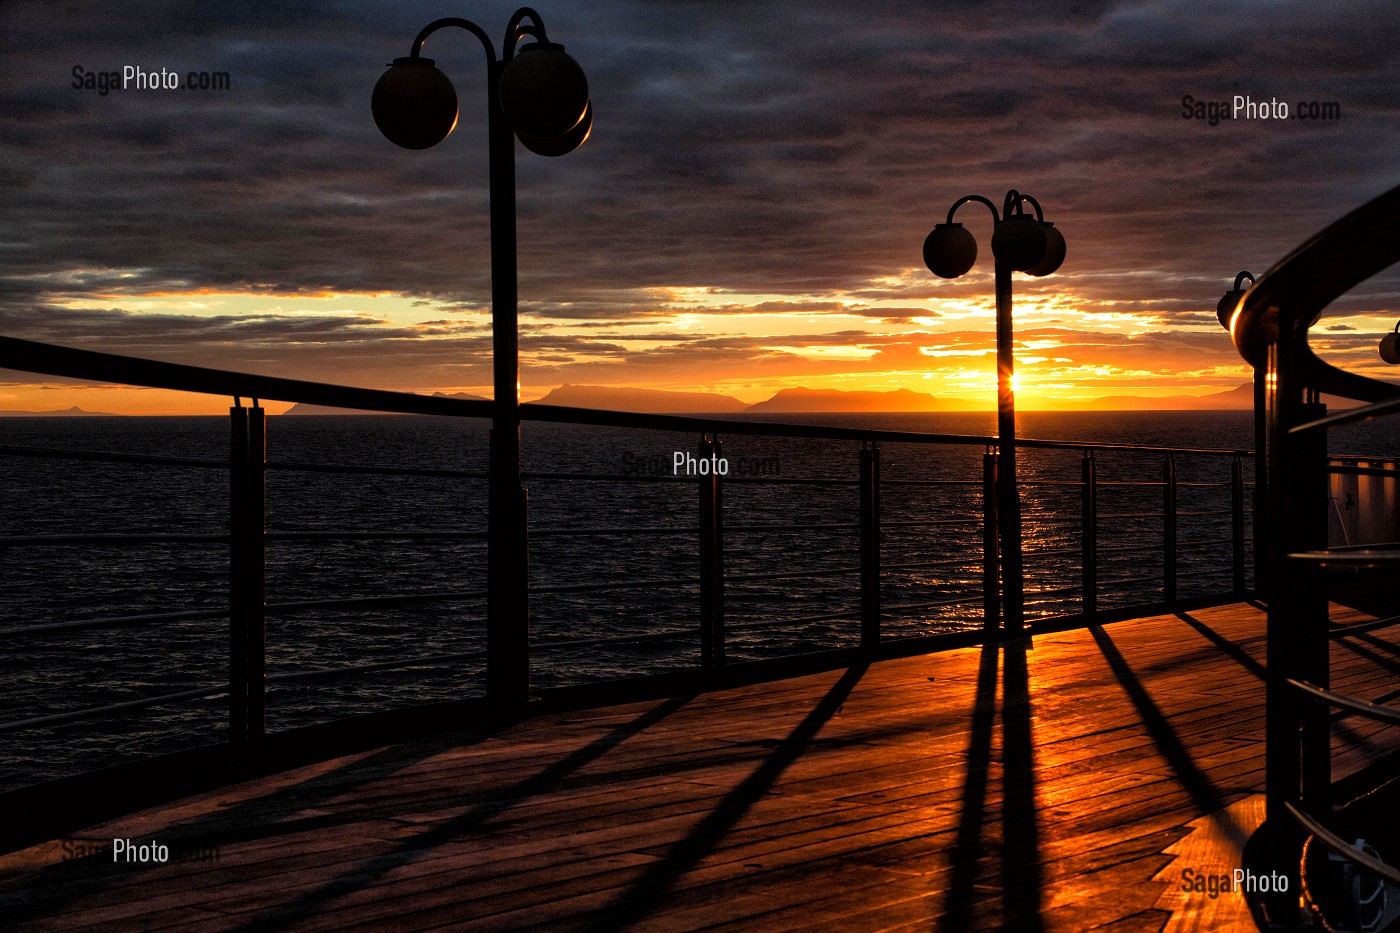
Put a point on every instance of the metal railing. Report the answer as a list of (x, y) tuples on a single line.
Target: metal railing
[(893, 580), (1270, 329)]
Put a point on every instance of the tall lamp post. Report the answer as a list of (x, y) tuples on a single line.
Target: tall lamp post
[(1020, 243), (1225, 313), (537, 93)]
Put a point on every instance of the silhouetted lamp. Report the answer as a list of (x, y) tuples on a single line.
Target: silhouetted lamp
[(1021, 242), (538, 93), (1390, 346), (414, 104), (1231, 299), (541, 91)]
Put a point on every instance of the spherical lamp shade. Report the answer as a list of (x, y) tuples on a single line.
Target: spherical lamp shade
[(414, 104), (950, 250), (1226, 309), (564, 143), (543, 90), (1054, 252), (1390, 346), (1020, 242)]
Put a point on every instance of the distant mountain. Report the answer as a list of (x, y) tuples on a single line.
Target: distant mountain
[(831, 400), (1240, 398), (653, 401), (305, 408), (74, 412)]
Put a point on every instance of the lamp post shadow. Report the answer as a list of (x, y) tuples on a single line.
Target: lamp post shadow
[(984, 867)]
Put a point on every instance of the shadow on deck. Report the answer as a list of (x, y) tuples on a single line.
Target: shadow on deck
[(1064, 787)]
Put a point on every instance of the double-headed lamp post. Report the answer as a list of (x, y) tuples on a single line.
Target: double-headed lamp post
[(1020, 243), (538, 94)]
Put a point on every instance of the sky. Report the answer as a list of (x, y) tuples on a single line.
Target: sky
[(748, 214)]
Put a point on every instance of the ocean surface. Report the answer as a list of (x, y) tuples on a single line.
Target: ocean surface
[(577, 538)]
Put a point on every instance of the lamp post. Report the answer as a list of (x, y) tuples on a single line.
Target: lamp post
[(1225, 313), (1020, 243), (539, 94)]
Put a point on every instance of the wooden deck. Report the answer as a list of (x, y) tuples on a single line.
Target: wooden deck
[(1061, 788)]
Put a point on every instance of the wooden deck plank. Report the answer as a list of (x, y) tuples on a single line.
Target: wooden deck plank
[(973, 787)]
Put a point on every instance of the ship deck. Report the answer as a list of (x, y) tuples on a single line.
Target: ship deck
[(1063, 787)]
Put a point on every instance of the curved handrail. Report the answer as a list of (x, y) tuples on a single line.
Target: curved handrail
[(53, 360), (1343, 848), (1295, 290), (34, 357)]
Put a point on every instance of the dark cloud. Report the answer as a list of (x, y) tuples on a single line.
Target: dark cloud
[(799, 150)]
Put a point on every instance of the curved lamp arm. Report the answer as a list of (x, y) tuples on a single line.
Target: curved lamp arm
[(1239, 280), (1015, 198), (466, 24), (516, 30)]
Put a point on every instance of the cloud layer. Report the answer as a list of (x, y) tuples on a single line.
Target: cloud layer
[(749, 210)]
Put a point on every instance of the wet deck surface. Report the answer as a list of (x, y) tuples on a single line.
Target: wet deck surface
[(1061, 788)]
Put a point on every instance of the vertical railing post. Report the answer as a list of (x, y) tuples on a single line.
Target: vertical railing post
[(247, 577), (1089, 535), (237, 584), (256, 575), (991, 600), (869, 545), (1237, 524), (711, 558), (1169, 530), (1260, 499), (1313, 658)]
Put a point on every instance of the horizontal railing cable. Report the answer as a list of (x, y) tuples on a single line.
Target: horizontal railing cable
[(622, 585), (299, 467), (1357, 707), (100, 456), (1358, 628), (89, 712), (326, 672), (76, 625), (582, 532), (790, 575)]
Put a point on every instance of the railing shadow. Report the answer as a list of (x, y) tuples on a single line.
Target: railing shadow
[(649, 891), (420, 845), (1205, 796), (53, 888), (1225, 645)]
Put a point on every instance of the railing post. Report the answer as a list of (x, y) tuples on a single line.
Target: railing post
[(1314, 643), (1089, 535), (991, 601), (237, 585), (711, 558), (247, 578), (869, 545), (1237, 523), (507, 563), (1169, 530), (1260, 499), (257, 575)]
